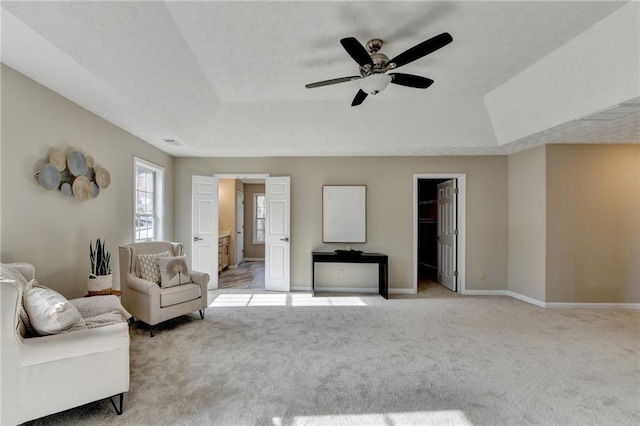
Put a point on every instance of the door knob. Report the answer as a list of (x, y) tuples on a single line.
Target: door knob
[(197, 239), (284, 239)]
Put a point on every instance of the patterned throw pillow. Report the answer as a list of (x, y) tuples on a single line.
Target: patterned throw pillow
[(173, 271), (148, 268), (50, 312)]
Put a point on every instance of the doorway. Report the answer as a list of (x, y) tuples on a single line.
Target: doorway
[(439, 230), (245, 268), (211, 224)]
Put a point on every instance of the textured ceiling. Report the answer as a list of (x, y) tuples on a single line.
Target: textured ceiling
[(227, 78)]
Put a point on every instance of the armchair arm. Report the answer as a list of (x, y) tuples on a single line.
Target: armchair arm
[(143, 286), (202, 279)]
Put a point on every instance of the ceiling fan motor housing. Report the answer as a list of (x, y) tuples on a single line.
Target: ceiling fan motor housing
[(380, 65)]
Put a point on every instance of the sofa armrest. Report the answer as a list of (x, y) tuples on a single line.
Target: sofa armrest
[(38, 350), (143, 286)]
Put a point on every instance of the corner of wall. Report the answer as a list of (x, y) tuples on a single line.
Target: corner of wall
[(527, 213)]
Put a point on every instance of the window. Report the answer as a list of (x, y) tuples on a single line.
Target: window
[(259, 215), (148, 182)]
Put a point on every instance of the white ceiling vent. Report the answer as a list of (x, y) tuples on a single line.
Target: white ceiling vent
[(615, 112), (173, 142)]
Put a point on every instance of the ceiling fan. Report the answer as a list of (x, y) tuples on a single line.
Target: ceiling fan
[(374, 66)]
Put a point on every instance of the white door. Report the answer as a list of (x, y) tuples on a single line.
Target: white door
[(204, 226), (447, 234), (277, 249), (239, 227)]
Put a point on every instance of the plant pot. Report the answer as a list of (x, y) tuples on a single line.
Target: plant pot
[(101, 284)]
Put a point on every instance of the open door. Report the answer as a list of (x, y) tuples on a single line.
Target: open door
[(447, 234), (239, 227), (204, 226), (277, 248)]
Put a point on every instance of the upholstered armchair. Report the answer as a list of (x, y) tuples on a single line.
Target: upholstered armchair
[(53, 373), (148, 301)]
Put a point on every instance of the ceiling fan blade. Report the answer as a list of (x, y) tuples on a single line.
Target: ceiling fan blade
[(411, 80), (360, 97), (332, 81), (356, 51), (422, 49)]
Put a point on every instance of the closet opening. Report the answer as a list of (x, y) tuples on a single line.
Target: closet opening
[(439, 231)]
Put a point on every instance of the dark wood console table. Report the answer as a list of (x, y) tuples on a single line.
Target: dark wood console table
[(381, 259)]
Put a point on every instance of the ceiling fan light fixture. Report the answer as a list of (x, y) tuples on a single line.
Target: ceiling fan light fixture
[(375, 83)]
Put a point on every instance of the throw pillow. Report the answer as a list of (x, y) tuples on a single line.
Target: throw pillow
[(173, 271), (148, 268), (50, 312)]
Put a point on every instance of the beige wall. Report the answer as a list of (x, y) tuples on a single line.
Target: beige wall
[(226, 205), (593, 223), (254, 251), (389, 183), (44, 227), (527, 222)]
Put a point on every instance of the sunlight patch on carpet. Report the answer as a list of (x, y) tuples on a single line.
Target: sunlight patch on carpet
[(418, 418), (249, 300)]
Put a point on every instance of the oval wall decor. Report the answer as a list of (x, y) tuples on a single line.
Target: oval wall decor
[(49, 176), (74, 174), (81, 188), (77, 163)]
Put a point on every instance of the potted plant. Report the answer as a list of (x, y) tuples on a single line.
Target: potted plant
[(100, 280)]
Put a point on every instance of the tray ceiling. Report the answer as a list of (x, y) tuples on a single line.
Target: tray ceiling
[(227, 78)]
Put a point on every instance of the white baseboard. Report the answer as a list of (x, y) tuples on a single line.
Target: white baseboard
[(635, 306), (402, 291), (254, 259), (348, 289), (522, 297), (356, 290), (540, 303), (527, 299), (485, 292)]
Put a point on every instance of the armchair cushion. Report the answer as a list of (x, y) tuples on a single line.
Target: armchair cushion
[(179, 294), (173, 271), (148, 267), (50, 312)]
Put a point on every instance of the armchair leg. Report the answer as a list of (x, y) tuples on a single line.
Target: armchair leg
[(201, 313), (152, 330), (121, 404)]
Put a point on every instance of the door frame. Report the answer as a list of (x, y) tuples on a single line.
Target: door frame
[(218, 176), (238, 251), (462, 225)]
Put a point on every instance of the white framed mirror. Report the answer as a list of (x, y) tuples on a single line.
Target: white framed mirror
[(344, 214)]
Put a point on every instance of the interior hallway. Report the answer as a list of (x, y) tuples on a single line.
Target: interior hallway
[(248, 275)]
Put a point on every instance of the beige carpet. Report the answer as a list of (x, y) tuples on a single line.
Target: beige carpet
[(291, 359)]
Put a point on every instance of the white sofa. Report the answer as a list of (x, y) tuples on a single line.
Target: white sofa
[(146, 300), (49, 374)]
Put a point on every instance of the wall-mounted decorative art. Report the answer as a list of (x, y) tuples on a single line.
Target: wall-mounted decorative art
[(73, 174), (344, 214)]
